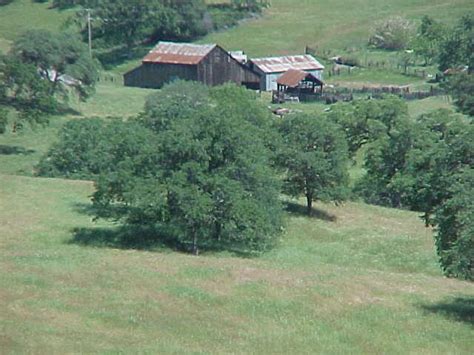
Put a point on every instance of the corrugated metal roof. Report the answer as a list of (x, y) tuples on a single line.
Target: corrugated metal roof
[(283, 64), (293, 77), (239, 56), (178, 53)]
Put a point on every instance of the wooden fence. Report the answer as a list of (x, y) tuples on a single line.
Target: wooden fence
[(333, 95)]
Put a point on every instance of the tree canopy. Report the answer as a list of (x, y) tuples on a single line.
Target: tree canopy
[(314, 156), (425, 165), (461, 88), (61, 59), (129, 22), (41, 71), (457, 48), (198, 172)]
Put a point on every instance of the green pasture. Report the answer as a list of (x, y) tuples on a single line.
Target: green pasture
[(288, 26), (352, 278)]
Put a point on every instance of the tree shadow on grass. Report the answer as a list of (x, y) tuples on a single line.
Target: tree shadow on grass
[(460, 309), (123, 237), (14, 150), (300, 210), (84, 208), (144, 238)]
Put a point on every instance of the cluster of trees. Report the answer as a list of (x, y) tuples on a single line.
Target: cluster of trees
[(203, 166), (424, 164), (435, 43), (130, 22), (40, 72), (432, 41)]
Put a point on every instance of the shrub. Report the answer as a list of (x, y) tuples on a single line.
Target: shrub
[(393, 33), (5, 2), (3, 120)]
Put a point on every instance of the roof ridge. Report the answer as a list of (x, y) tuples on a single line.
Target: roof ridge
[(187, 44)]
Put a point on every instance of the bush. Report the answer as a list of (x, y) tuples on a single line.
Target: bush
[(393, 33), (3, 120)]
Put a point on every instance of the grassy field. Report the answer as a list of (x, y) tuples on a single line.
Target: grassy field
[(351, 279), (288, 26), (23, 15)]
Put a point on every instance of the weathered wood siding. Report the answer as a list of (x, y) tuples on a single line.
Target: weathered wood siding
[(155, 75), (219, 67)]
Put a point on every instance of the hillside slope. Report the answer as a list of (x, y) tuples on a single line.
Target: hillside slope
[(355, 279), (288, 26)]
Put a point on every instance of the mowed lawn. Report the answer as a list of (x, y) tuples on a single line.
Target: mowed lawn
[(355, 278)]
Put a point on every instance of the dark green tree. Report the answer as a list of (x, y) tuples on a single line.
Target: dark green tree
[(3, 120), (89, 147), (444, 147), (60, 59), (315, 158), (207, 182), (428, 39), (174, 101), (457, 48), (385, 160), (455, 227), (364, 121), (131, 22), (65, 4), (22, 88), (461, 88)]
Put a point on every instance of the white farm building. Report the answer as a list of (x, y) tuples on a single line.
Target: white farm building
[(271, 68)]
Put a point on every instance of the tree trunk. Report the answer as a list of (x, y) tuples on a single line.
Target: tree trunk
[(309, 206), (195, 244)]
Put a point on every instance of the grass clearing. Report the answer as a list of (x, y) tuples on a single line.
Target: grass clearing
[(23, 15), (287, 27), (21, 151), (419, 107), (113, 100), (354, 278)]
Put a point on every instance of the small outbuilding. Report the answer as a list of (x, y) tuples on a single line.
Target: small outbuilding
[(209, 64), (272, 68), (297, 84)]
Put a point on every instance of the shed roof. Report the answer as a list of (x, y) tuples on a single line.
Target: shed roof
[(293, 77), (178, 53), (283, 64)]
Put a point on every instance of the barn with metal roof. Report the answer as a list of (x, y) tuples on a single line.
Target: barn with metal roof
[(206, 63), (271, 68)]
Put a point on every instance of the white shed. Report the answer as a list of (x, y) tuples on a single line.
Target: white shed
[(271, 68)]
